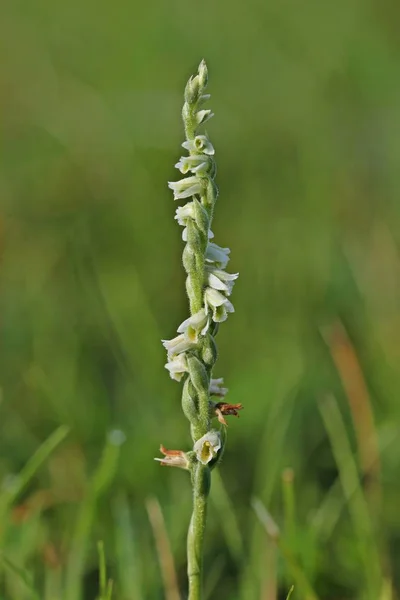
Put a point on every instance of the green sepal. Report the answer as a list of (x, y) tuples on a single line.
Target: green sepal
[(201, 217), (189, 403), (189, 259), (198, 374), (196, 238), (209, 351), (212, 191)]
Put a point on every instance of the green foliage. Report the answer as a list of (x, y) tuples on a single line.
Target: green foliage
[(307, 103)]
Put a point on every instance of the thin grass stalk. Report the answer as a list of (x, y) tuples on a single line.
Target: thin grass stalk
[(165, 557), (100, 481), (295, 569), (355, 497)]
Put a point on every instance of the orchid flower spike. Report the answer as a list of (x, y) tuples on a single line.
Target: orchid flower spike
[(192, 353)]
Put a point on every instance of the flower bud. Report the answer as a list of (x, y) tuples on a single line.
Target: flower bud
[(192, 90), (203, 74)]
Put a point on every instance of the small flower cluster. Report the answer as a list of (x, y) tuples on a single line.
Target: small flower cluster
[(217, 284)]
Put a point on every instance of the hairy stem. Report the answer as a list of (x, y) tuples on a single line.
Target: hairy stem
[(195, 540)]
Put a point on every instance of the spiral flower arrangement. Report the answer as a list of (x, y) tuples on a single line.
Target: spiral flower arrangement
[(193, 352)]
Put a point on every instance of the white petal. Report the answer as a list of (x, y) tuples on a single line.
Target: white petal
[(196, 163), (201, 143), (214, 298), (182, 184), (177, 367), (203, 116), (216, 283), (202, 168), (185, 187), (206, 326), (216, 388), (226, 280), (196, 320), (223, 275), (219, 314), (189, 145), (229, 307), (184, 212), (177, 345), (217, 255), (182, 166), (194, 325), (192, 191)]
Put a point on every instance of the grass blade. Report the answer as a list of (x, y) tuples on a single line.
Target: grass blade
[(163, 549), (228, 520), (273, 533), (350, 480), (8, 497), (128, 559), (21, 574), (101, 479)]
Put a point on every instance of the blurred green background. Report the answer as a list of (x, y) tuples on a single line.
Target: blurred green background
[(307, 136)]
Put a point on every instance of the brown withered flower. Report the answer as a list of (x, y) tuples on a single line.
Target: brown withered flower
[(173, 458), (224, 408)]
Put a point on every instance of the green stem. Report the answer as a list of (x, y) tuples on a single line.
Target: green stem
[(195, 541)]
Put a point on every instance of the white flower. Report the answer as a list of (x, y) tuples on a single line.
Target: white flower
[(185, 212), (218, 303), (185, 187), (177, 367), (177, 345), (217, 255), (201, 143), (197, 163), (197, 323), (202, 116), (216, 388), (207, 447), (220, 280)]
